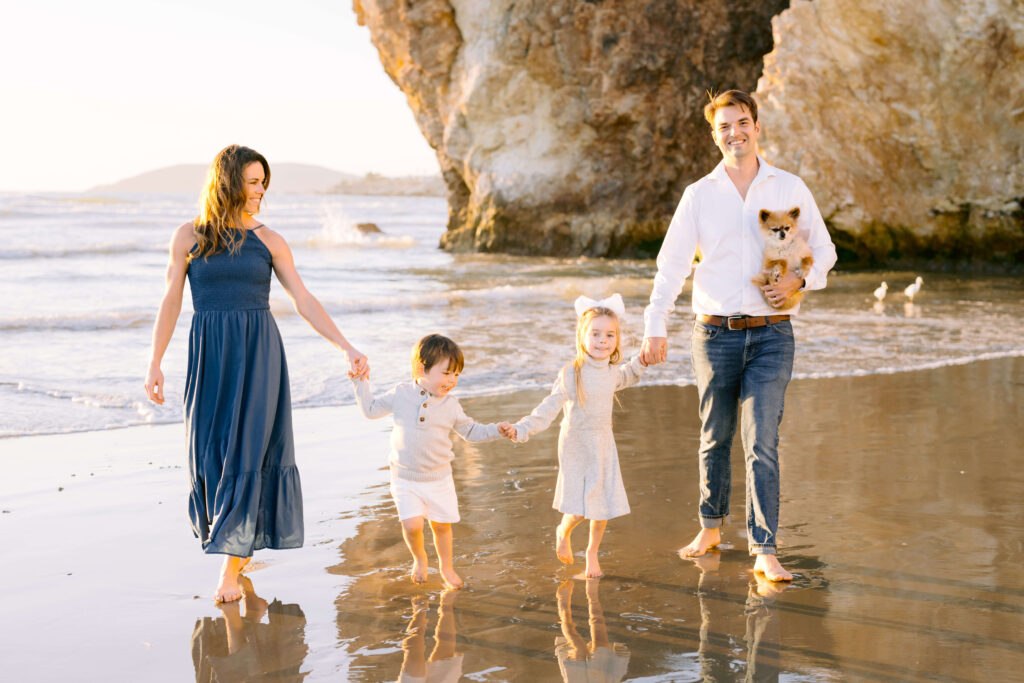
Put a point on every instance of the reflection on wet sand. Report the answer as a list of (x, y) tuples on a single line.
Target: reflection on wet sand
[(240, 647), (885, 478), (581, 661), (443, 665)]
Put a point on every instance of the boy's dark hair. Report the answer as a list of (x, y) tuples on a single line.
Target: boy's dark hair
[(432, 349), (729, 98)]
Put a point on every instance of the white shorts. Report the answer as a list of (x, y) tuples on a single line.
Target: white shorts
[(435, 500)]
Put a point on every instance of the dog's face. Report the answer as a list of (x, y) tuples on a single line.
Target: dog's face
[(778, 226)]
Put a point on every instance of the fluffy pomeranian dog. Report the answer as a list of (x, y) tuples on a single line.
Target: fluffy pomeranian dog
[(784, 251)]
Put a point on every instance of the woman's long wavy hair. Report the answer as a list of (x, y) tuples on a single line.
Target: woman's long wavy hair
[(582, 328), (219, 223)]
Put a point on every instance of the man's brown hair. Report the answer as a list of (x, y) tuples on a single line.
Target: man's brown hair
[(729, 98), (432, 349)]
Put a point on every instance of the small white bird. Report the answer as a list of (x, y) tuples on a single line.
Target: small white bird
[(912, 290), (880, 292)]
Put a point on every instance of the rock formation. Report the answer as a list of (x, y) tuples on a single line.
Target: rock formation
[(571, 127), (566, 127), (906, 120)]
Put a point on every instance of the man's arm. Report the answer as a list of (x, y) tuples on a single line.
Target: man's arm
[(818, 240), (675, 261)]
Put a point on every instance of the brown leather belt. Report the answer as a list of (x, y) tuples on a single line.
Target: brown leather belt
[(740, 322)]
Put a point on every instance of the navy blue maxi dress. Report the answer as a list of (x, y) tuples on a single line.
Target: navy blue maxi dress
[(246, 493)]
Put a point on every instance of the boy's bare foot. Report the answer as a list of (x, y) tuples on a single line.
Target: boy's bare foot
[(563, 545), (706, 539), (593, 567), (771, 568), (418, 572), (451, 579)]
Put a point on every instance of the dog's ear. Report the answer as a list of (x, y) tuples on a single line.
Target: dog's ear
[(794, 213), (764, 215)]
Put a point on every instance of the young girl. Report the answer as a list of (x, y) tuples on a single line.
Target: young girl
[(421, 448), (589, 481)]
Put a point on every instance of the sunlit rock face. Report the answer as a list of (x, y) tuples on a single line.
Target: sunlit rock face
[(567, 127), (906, 119)]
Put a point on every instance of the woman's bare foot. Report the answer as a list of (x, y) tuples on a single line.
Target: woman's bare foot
[(563, 544), (705, 540), (770, 567), (593, 567), (419, 571), (451, 579), (228, 589), (244, 563)]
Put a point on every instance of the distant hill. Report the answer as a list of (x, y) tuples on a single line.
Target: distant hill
[(288, 178), (408, 186)]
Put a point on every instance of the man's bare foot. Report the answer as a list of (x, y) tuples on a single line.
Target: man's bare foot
[(766, 588), (705, 540), (563, 545), (418, 572), (228, 589), (451, 579), (593, 567), (770, 567)]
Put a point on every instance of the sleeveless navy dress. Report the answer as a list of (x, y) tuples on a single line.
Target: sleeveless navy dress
[(246, 493)]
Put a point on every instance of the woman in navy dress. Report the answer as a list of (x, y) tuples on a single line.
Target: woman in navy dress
[(245, 491)]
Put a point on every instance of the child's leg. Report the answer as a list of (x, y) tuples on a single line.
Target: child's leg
[(444, 634), (563, 542), (412, 532), (443, 544), (414, 646), (597, 527)]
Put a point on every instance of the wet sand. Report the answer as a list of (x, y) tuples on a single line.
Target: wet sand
[(902, 517)]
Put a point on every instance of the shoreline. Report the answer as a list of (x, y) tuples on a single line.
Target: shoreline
[(883, 475), (925, 367)]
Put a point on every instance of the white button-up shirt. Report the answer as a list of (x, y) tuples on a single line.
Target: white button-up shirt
[(715, 220)]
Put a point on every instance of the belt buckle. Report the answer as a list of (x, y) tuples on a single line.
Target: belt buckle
[(729, 319)]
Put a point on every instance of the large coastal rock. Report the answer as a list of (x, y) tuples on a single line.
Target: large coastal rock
[(906, 120), (567, 127)]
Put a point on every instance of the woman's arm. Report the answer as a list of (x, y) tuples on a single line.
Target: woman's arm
[(307, 305), (170, 308)]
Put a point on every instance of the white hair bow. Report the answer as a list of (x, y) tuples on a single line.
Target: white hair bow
[(613, 303)]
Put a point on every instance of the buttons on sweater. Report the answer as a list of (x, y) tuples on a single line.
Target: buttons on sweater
[(424, 405), (422, 419)]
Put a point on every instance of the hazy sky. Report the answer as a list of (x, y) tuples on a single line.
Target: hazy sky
[(92, 92)]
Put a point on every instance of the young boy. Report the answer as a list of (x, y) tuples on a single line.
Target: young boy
[(421, 448)]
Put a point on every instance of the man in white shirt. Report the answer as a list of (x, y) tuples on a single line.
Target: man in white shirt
[(742, 347)]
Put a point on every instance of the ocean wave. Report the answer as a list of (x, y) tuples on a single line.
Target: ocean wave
[(29, 252), (79, 323)]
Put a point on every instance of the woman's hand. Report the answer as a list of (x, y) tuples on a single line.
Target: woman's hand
[(155, 385), (359, 365)]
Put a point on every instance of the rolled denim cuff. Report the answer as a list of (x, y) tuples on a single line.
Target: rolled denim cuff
[(712, 522), (762, 549)]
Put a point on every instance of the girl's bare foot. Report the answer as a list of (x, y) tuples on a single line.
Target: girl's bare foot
[(706, 539), (771, 568), (419, 571), (563, 544), (451, 579), (593, 567)]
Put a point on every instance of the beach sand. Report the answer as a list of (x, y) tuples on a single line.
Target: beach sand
[(902, 518)]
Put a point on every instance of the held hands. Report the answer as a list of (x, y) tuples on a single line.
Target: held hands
[(155, 386), (654, 350), (359, 365), (507, 430)]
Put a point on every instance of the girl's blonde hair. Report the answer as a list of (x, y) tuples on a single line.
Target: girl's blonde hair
[(582, 325), (219, 223)]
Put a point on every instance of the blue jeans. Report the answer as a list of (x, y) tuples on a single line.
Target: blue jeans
[(748, 369)]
